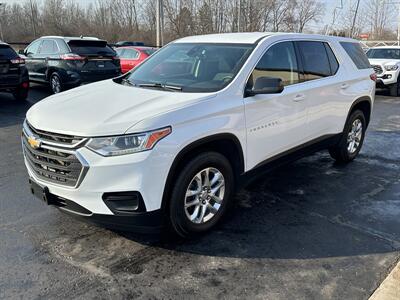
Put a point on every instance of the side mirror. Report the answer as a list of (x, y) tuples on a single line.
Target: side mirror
[(21, 51), (265, 85)]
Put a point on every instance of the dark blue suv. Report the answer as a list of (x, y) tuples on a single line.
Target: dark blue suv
[(65, 62), (13, 74)]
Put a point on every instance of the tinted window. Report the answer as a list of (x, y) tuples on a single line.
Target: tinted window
[(315, 60), (33, 48), (6, 52), (384, 53), (278, 62), (332, 59), (48, 47), (200, 67), (356, 54), (87, 47)]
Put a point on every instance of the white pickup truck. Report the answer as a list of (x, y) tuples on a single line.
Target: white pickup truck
[(386, 63)]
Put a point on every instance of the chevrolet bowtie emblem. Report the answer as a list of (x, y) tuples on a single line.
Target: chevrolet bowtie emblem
[(33, 142)]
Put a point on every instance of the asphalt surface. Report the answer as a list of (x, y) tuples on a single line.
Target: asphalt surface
[(309, 230)]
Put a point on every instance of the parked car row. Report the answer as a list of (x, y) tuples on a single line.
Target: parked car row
[(65, 62)]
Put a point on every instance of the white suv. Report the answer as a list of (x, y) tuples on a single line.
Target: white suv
[(169, 142), (386, 63)]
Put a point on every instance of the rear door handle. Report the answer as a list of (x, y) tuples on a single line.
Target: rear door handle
[(299, 97), (344, 86)]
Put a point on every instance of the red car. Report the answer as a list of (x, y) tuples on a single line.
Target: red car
[(132, 56)]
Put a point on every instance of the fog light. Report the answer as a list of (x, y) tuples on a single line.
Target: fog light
[(124, 202), (389, 76)]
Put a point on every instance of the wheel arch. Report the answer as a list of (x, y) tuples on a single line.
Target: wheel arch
[(365, 105), (225, 143)]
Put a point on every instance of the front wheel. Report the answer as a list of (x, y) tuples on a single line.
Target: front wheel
[(201, 194), (352, 138)]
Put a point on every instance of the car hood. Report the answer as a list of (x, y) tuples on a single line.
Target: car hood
[(105, 108), (383, 61)]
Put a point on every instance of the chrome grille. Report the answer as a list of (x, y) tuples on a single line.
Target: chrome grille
[(62, 140), (52, 164), (378, 69)]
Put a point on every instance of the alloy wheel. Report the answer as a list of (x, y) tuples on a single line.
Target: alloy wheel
[(354, 136), (55, 84), (204, 195)]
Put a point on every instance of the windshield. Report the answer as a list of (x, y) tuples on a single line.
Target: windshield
[(148, 51), (384, 53), (192, 67)]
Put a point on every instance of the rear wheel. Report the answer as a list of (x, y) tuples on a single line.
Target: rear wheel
[(56, 83), (201, 194), (352, 138)]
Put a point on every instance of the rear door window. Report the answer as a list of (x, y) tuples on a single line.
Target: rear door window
[(48, 47), (332, 59), (91, 48), (356, 54), (6, 52), (315, 60)]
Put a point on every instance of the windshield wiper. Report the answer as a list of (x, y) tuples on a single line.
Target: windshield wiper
[(127, 82), (161, 86)]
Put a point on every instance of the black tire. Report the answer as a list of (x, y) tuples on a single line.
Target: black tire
[(179, 221), (21, 94), (56, 84), (341, 152), (394, 90)]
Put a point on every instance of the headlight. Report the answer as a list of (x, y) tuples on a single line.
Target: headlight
[(127, 144), (391, 67)]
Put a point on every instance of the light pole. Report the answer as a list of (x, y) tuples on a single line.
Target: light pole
[(159, 23), (1, 27), (354, 19)]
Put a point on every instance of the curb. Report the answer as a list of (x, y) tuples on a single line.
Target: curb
[(390, 287)]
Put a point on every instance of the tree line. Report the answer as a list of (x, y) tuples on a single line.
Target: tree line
[(116, 20)]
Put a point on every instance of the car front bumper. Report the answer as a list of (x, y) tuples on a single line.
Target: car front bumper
[(112, 175), (387, 78)]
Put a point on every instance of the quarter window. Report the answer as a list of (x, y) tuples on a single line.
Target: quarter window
[(356, 54), (278, 62), (315, 60)]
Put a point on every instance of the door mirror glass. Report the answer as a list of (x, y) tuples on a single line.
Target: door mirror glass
[(266, 85)]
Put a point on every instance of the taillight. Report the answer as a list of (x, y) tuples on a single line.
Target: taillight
[(18, 61), (71, 56), (373, 77)]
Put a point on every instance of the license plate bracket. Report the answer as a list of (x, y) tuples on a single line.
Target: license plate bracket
[(40, 192)]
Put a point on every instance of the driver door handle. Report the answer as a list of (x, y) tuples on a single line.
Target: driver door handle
[(299, 98)]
